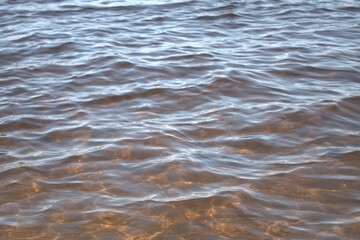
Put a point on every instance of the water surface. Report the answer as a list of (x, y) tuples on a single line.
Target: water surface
[(175, 119)]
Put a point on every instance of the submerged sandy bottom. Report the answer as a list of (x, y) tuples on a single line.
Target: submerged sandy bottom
[(179, 120)]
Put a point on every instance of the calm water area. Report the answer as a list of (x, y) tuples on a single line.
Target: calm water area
[(179, 119)]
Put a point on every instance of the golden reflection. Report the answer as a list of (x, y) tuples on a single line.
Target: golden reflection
[(27, 233), (338, 230), (126, 153), (35, 186), (279, 228), (75, 168), (236, 151), (59, 218)]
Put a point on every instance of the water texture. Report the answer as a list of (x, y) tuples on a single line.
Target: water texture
[(174, 119)]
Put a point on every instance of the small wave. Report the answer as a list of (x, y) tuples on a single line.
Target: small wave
[(173, 119), (219, 17)]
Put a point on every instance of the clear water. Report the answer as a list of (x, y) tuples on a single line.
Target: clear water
[(180, 119)]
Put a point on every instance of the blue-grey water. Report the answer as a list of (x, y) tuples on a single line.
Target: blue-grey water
[(173, 119)]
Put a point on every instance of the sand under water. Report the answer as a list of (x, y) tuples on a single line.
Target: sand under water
[(179, 119)]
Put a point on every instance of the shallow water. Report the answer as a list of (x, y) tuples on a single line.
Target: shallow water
[(174, 119)]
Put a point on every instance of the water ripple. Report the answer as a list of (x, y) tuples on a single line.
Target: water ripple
[(172, 119)]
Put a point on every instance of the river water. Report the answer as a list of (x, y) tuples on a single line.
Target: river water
[(172, 119)]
